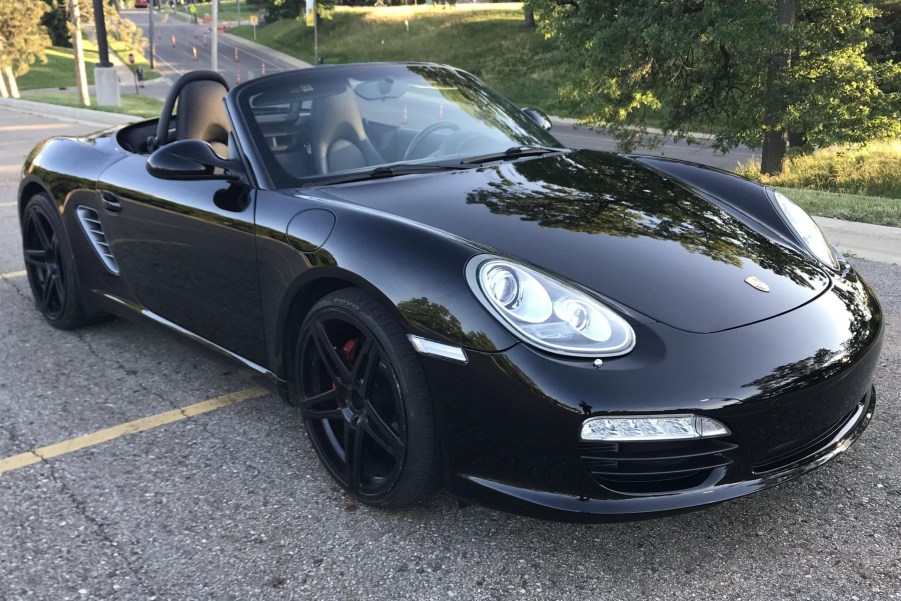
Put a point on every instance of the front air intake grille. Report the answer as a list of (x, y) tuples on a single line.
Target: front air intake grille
[(90, 223), (800, 452), (655, 467)]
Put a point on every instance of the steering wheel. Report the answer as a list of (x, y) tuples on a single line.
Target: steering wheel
[(162, 128), (425, 133)]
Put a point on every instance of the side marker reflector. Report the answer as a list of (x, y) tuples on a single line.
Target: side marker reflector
[(425, 346)]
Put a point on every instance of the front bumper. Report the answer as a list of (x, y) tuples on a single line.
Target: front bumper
[(795, 390)]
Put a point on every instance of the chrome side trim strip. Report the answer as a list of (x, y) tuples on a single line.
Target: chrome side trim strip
[(259, 369)]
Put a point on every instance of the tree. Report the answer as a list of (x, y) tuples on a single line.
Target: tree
[(754, 72), (22, 41), (56, 20), (81, 78)]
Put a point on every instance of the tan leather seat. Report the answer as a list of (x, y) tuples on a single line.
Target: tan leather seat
[(339, 141)]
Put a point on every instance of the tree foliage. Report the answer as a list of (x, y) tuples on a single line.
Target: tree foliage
[(685, 64), (22, 37), (294, 9), (58, 25)]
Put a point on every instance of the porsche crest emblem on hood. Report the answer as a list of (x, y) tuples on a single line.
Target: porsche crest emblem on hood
[(757, 283)]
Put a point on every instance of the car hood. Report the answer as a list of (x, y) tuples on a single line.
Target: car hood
[(615, 227)]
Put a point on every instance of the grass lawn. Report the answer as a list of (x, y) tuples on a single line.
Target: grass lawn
[(488, 40), (857, 184), (58, 71), (228, 11), (871, 170), (141, 106), (851, 207)]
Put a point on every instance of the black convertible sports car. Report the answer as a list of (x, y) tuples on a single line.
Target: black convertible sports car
[(451, 297)]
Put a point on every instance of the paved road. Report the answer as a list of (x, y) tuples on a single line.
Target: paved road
[(581, 137), (176, 59), (232, 504)]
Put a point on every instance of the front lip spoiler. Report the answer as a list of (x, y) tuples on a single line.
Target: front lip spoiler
[(571, 508)]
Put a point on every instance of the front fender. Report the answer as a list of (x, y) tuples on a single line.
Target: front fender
[(418, 272)]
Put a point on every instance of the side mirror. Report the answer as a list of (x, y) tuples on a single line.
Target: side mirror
[(540, 119), (186, 160)]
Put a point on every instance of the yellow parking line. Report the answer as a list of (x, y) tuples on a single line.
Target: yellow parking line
[(12, 274), (139, 425), (7, 204), (10, 168)]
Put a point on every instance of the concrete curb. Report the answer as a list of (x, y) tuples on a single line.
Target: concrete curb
[(67, 113)]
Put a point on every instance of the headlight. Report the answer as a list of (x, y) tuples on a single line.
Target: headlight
[(807, 231), (548, 313)]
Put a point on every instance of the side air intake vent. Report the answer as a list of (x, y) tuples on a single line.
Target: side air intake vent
[(90, 222)]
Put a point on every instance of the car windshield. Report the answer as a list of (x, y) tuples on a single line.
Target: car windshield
[(342, 123)]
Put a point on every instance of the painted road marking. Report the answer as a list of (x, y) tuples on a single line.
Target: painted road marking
[(10, 168), (32, 126), (12, 274), (7, 204), (133, 427)]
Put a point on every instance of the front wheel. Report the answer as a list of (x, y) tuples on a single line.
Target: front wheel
[(364, 400), (49, 265)]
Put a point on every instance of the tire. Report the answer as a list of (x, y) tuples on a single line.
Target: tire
[(364, 400), (50, 266)]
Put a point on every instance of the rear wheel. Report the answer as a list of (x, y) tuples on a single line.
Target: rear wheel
[(364, 400), (49, 265)]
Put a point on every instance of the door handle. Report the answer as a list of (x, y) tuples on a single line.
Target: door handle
[(110, 202)]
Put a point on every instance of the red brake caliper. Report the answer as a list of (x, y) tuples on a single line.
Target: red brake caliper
[(349, 350)]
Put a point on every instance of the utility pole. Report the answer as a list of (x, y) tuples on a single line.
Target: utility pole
[(214, 49), (150, 20), (81, 78), (106, 82), (100, 25), (315, 32)]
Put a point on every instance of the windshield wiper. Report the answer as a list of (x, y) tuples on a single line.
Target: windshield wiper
[(514, 152), (383, 172)]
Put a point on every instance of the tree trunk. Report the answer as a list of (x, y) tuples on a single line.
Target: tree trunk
[(775, 138), (3, 92), (81, 78), (11, 82), (529, 17)]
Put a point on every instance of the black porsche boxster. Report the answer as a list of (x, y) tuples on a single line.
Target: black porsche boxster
[(451, 297)]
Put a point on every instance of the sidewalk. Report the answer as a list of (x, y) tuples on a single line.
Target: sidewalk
[(863, 240)]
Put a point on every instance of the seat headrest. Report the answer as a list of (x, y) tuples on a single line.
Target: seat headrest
[(201, 113)]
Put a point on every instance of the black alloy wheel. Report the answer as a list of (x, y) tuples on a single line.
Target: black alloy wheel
[(363, 398), (48, 264)]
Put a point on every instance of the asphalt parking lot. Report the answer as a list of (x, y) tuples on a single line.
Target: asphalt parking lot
[(232, 503)]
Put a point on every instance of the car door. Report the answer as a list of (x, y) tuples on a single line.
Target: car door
[(187, 249)]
